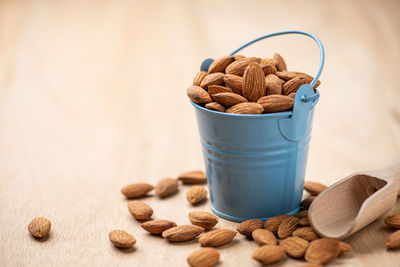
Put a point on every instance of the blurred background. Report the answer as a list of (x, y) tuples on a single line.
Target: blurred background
[(93, 94)]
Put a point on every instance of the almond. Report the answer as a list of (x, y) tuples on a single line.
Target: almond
[(246, 108), (204, 257), (182, 233), (196, 194), (310, 265), (295, 246), (238, 67), (273, 85), (217, 238), (140, 210), (121, 239), (253, 82), (314, 188), (344, 247), (220, 64), (268, 69), (157, 226), (393, 221), (276, 103), (301, 214), (270, 61), (39, 227), (237, 57), (287, 227), (304, 221), (322, 251), (198, 95), (292, 95), (215, 106), (215, 89), (193, 177), (393, 241), (288, 75), (307, 233), (247, 227), (199, 77), (268, 254), (203, 219), (229, 99), (136, 190), (216, 78), (234, 82), (272, 224), (167, 187), (280, 62), (264, 237), (293, 85), (306, 203)]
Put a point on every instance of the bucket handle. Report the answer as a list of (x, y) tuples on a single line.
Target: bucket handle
[(315, 38)]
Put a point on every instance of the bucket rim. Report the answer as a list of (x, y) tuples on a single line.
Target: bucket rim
[(285, 114)]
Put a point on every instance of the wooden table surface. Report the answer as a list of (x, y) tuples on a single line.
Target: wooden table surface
[(93, 97)]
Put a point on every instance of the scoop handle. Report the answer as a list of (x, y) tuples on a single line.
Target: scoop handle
[(392, 173)]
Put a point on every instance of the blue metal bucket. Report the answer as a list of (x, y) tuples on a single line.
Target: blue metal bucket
[(256, 164)]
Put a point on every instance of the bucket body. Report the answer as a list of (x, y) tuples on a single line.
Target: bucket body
[(255, 164)]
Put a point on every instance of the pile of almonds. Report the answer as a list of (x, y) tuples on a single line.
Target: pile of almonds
[(247, 85), (278, 236)]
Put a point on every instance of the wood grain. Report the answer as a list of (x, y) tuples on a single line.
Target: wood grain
[(93, 97)]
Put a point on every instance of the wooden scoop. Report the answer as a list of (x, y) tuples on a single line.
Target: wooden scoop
[(355, 201)]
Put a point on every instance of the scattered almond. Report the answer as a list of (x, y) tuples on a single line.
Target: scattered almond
[(39, 227), (121, 239), (322, 251), (239, 66), (136, 190), (217, 238), (196, 194), (264, 237), (203, 219), (204, 257), (276, 103), (393, 221), (237, 57), (253, 82), (273, 223), (307, 233), (246, 108), (167, 187), (269, 254), (220, 64), (314, 188), (193, 177), (198, 95), (235, 83), (310, 265), (280, 62), (344, 247), (301, 214), (157, 226), (140, 210), (215, 106), (247, 227), (269, 61), (228, 99), (393, 241), (287, 227), (182, 233), (216, 78), (306, 203), (294, 246), (199, 77), (304, 221)]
